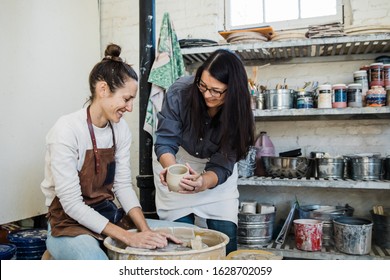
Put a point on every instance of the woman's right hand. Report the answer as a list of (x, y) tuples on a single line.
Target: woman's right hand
[(163, 176), (149, 239)]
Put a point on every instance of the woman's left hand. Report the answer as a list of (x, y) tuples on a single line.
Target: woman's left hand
[(192, 183)]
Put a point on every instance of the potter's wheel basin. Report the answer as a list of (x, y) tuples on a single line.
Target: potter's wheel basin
[(215, 248)]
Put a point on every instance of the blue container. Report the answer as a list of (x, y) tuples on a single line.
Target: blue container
[(7, 251), (30, 243)]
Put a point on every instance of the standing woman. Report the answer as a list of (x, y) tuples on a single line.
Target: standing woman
[(206, 122), (87, 165)]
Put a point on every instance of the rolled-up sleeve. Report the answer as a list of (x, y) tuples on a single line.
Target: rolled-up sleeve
[(175, 129)]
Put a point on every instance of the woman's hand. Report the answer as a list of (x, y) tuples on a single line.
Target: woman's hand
[(163, 176), (192, 183), (149, 239)]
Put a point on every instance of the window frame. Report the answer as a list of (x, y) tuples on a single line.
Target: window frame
[(289, 24)]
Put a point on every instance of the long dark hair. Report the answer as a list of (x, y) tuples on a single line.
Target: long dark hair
[(236, 117)]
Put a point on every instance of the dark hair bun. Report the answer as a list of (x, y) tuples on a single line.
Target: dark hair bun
[(113, 50)]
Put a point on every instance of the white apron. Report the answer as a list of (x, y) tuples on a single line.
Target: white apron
[(219, 203)]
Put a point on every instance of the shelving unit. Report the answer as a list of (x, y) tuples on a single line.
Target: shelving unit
[(313, 183), (302, 51), (339, 48), (288, 250), (323, 114)]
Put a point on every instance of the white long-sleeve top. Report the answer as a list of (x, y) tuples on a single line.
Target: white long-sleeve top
[(66, 146)]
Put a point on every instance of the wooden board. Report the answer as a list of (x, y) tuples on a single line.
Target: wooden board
[(265, 30)]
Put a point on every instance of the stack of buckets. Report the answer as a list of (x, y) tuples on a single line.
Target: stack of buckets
[(255, 223), (7, 252), (30, 243)]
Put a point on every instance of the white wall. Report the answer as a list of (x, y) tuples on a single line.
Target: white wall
[(47, 50)]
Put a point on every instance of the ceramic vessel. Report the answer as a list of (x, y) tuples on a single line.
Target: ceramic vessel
[(174, 174)]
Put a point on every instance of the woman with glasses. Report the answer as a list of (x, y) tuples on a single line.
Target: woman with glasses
[(205, 122)]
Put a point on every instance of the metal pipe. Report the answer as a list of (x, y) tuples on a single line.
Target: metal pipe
[(147, 48)]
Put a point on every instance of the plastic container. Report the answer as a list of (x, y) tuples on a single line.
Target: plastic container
[(339, 97), (324, 97), (386, 74), (360, 77), (354, 96), (377, 75), (376, 97)]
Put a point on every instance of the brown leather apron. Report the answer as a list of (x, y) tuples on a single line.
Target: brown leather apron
[(96, 181)]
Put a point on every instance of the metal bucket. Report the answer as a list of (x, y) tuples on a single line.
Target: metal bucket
[(279, 99), (255, 229), (366, 168), (326, 214), (381, 228), (353, 235), (308, 234), (330, 168)]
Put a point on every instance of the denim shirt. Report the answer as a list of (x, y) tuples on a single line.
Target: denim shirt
[(174, 129)]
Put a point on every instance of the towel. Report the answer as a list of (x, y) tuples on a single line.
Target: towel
[(167, 67)]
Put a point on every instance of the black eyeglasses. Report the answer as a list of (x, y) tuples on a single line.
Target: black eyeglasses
[(214, 93)]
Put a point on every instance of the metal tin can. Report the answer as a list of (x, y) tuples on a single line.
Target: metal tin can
[(354, 95), (339, 98), (260, 101), (304, 99), (324, 96)]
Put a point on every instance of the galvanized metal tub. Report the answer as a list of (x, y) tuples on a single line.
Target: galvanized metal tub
[(255, 229), (353, 235), (366, 168), (215, 248)]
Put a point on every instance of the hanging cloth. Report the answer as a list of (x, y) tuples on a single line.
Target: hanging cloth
[(167, 67)]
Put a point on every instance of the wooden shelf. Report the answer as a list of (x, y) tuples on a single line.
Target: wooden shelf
[(288, 250), (313, 183), (253, 53)]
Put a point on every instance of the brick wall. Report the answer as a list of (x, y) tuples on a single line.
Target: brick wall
[(202, 19)]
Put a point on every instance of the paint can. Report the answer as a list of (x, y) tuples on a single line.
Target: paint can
[(354, 96), (324, 96), (339, 97), (376, 74), (308, 234), (304, 99), (360, 77)]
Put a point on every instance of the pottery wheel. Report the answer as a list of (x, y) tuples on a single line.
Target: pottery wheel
[(171, 247)]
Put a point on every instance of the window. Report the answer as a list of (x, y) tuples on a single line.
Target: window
[(281, 14)]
